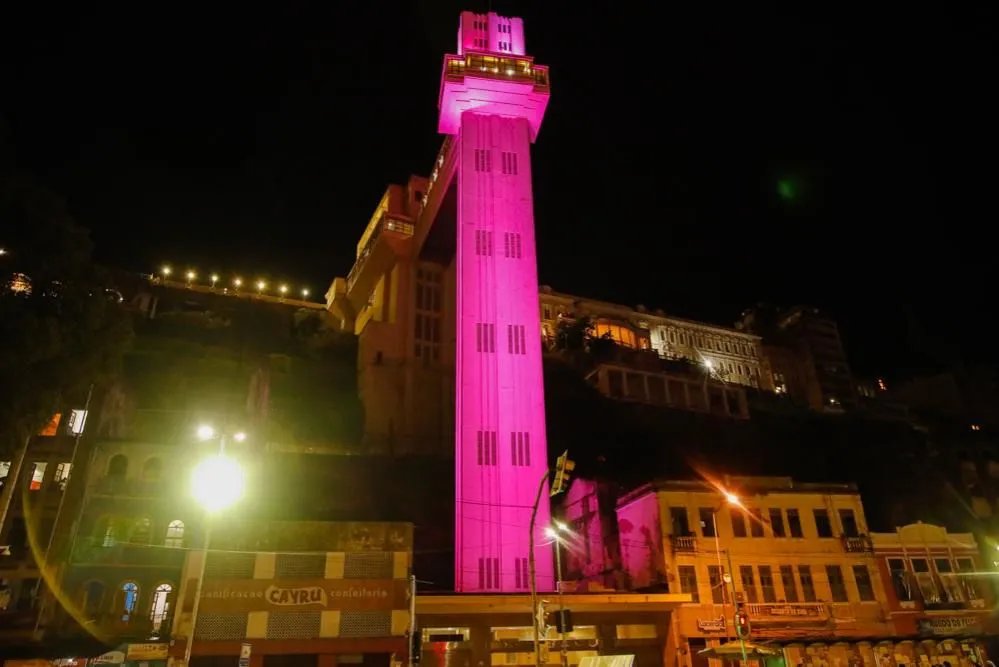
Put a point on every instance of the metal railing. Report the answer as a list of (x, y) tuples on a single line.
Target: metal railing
[(496, 67), (857, 543), (386, 223), (684, 543)]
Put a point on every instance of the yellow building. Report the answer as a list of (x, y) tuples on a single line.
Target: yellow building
[(802, 561)]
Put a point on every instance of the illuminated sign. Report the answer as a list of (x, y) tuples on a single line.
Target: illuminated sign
[(333, 594)]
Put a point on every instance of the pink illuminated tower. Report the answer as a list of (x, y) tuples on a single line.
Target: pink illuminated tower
[(492, 101)]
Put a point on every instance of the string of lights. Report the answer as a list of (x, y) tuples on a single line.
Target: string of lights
[(235, 283)]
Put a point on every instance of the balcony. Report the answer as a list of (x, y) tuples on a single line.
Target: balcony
[(683, 543), (377, 256), (516, 69), (128, 554), (116, 628), (856, 544), (121, 487)]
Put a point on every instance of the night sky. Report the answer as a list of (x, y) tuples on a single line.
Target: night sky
[(695, 162)]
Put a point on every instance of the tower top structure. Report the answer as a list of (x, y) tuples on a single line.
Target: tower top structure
[(492, 74)]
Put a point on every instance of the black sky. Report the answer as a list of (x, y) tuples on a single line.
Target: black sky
[(259, 141)]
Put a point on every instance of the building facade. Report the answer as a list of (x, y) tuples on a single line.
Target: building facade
[(337, 592), (939, 602), (797, 556)]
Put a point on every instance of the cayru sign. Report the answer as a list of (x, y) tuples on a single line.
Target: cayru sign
[(304, 595)]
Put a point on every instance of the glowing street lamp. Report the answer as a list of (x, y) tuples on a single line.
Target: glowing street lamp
[(261, 286), (731, 500), (237, 282), (305, 293), (166, 271), (215, 279), (217, 483), (191, 275), (283, 289)]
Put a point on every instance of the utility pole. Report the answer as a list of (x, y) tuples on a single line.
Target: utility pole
[(533, 571), (735, 605)]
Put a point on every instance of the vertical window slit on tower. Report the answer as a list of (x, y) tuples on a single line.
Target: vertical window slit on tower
[(485, 450), (515, 339), (483, 242), (511, 245), (485, 337), (522, 574), (520, 448), (483, 161), (488, 573), (509, 163)]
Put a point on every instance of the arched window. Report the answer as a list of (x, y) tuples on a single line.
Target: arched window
[(128, 598), (152, 469), (160, 606), (118, 466), (174, 534), (140, 531), (91, 597)]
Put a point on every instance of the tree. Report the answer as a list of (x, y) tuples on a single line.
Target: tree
[(63, 329)]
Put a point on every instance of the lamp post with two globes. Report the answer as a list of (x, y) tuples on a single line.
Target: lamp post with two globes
[(555, 532), (218, 482)]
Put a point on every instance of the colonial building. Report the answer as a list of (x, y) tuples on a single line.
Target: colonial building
[(797, 556), (939, 602), (324, 592)]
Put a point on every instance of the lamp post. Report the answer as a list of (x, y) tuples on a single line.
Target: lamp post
[(554, 532), (217, 483), (731, 500)]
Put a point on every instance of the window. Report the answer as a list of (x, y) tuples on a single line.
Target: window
[(515, 339), (823, 527), (680, 524), (837, 586), (807, 584), (152, 469), (118, 466), (521, 573), (37, 475), (621, 335), (777, 522), (483, 243), (924, 579), (848, 521), (128, 597), (794, 523), (787, 580), (520, 448), (748, 584), (865, 589), (485, 337), (738, 524), (719, 589), (140, 531), (755, 523), (483, 160), (706, 517), (486, 448), (509, 163), (92, 596), (688, 582), (900, 579), (767, 587), (489, 573), (966, 566), (951, 586), (160, 606), (62, 475), (511, 245), (174, 535)]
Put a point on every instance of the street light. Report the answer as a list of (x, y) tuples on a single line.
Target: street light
[(305, 293), (215, 279), (191, 275), (237, 282), (283, 289), (554, 532), (166, 271), (217, 483), (261, 285), (731, 500)]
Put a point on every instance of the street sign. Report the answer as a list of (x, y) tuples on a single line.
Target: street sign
[(244, 655)]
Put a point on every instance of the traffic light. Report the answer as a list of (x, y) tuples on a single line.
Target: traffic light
[(563, 621), (742, 625), (563, 470)]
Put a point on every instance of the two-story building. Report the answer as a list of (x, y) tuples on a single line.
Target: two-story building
[(796, 556), (940, 597)]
